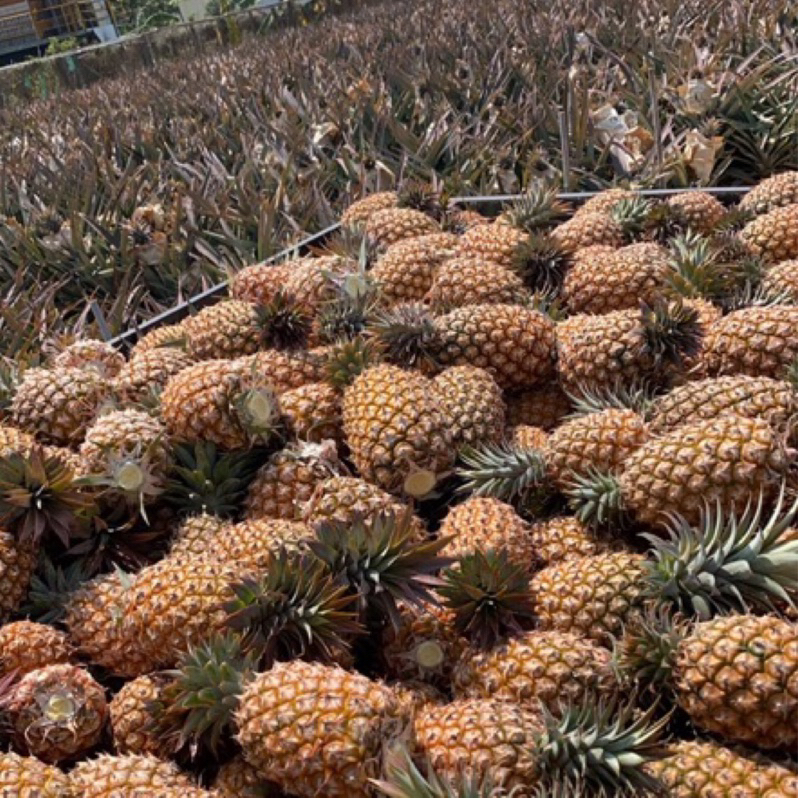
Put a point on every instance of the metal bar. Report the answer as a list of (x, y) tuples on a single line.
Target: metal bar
[(179, 312)]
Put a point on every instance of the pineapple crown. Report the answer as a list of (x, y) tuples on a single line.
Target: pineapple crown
[(422, 196), (346, 316), (348, 359), (540, 261), (489, 595), (672, 331), (282, 323), (407, 335), (507, 471), (727, 563), (297, 609), (538, 208), (51, 587), (194, 714), (637, 396), (601, 746), (634, 215), (596, 499), (405, 780), (381, 562), (205, 480), (40, 496), (548, 302)]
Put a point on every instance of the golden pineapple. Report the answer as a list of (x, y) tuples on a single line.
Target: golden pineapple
[(473, 281), (515, 344), (724, 460), (148, 371), (473, 404), (310, 282), (390, 225), (758, 341), (225, 402), (754, 397), (343, 499), (565, 538), (479, 738), (259, 283), (26, 646), (630, 275), (17, 564), (170, 335), (284, 485), (133, 776), (529, 437), (288, 370), (89, 355), (58, 406), (95, 617), (774, 192), (495, 243), (549, 667), (735, 677), (311, 728), (697, 210), (195, 535), (28, 777), (588, 229), (781, 280), (405, 271), (227, 329), (238, 779), (704, 769), (606, 200), (773, 236), (57, 712), (543, 407), (479, 524), (312, 412), (361, 210), (132, 715), (396, 432), (14, 440), (600, 441)]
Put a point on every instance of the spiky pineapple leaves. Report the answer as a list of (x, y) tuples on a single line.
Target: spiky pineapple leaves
[(283, 324), (40, 496), (489, 596), (295, 610)]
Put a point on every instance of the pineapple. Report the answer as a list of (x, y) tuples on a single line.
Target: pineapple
[(515, 344), (703, 769), (397, 435), (722, 461), (310, 727), (28, 777), (472, 402), (589, 229), (564, 538), (132, 715), (482, 524), (196, 535), (170, 335), (259, 283), (312, 412), (57, 712), (704, 400), (599, 353), (288, 480), (758, 341), (526, 437), (26, 646), (311, 282), (17, 564), (773, 236), (696, 210), (472, 281), (781, 280), (288, 370), (774, 192), (618, 281), (493, 243), (132, 775), (361, 210), (549, 667), (543, 407), (405, 271), (225, 402), (148, 371), (58, 406), (605, 201), (89, 355), (391, 225), (238, 779)]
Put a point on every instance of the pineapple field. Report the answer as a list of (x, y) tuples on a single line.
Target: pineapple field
[(464, 498)]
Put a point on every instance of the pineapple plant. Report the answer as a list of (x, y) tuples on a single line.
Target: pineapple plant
[(56, 712)]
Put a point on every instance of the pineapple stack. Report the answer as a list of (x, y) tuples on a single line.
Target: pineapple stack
[(456, 507)]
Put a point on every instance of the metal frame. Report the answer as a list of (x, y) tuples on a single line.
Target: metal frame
[(207, 297)]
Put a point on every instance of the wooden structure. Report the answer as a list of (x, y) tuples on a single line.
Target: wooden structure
[(27, 25)]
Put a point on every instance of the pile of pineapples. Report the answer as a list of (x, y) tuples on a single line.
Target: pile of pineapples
[(454, 506)]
